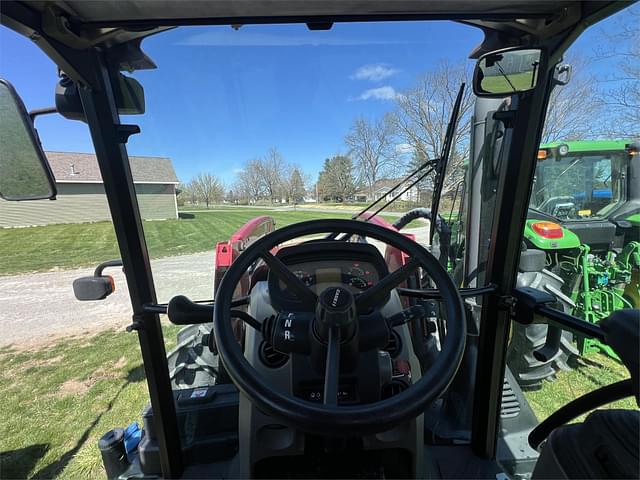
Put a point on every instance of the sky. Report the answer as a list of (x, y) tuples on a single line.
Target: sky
[(220, 96)]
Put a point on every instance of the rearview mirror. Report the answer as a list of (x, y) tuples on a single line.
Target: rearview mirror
[(505, 72), (24, 171)]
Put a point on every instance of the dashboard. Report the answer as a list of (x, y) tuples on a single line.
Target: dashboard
[(319, 265), (318, 275)]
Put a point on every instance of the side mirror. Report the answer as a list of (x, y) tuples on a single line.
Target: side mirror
[(93, 288), (25, 173), (508, 71), (98, 286)]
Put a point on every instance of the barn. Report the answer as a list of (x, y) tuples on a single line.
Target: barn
[(81, 196)]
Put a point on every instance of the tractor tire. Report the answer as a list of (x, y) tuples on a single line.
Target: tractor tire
[(530, 372), (525, 339), (191, 363)]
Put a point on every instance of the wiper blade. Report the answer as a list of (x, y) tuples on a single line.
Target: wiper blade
[(428, 163), (502, 72), (444, 160)]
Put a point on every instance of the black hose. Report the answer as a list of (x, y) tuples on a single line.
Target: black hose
[(443, 229)]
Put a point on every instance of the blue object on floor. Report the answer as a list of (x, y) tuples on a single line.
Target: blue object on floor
[(132, 436)]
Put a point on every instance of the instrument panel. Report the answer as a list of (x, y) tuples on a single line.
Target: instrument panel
[(318, 275), (320, 265)]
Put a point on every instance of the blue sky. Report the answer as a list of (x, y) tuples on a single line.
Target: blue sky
[(220, 97)]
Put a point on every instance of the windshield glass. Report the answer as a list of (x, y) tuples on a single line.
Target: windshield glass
[(289, 123), (580, 186)]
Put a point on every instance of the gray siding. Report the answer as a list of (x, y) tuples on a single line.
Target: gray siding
[(86, 202), (156, 201)]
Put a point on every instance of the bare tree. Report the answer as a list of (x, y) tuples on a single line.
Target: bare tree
[(573, 108), (207, 188), (422, 116), (270, 169), (184, 193), (372, 147), (619, 53), (249, 185)]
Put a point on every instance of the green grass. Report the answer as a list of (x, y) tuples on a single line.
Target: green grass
[(594, 371), (60, 398), (87, 244), (521, 81)]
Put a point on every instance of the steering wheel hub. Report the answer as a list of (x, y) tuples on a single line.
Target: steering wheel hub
[(336, 309)]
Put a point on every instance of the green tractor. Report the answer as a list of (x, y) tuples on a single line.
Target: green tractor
[(584, 217)]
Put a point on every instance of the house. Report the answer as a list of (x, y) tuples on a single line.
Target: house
[(81, 197), (382, 188)]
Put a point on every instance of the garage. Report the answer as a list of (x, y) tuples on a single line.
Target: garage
[(81, 197)]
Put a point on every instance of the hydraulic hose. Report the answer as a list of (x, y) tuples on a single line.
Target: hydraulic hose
[(443, 229)]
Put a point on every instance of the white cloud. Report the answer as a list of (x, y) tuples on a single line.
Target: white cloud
[(374, 72), (380, 93), (404, 148)]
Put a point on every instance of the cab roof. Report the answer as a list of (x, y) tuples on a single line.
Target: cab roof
[(590, 145), (106, 22), (117, 27)]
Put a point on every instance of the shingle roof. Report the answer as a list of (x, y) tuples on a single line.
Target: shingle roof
[(83, 167)]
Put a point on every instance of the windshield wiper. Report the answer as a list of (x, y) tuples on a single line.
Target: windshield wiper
[(427, 163), (502, 72), (444, 160), (438, 165)]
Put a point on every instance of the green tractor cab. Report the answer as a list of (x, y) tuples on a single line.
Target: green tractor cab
[(590, 187), (583, 214)]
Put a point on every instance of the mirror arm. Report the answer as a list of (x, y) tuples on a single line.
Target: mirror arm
[(507, 117), (36, 112), (107, 264), (124, 131)]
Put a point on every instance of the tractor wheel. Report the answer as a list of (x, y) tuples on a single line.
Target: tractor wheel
[(529, 371), (191, 363), (525, 339)]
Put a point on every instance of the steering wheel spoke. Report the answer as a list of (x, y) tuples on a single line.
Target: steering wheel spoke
[(292, 282), (332, 368), (373, 295)]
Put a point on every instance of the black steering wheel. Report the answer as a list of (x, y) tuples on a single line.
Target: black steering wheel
[(333, 325)]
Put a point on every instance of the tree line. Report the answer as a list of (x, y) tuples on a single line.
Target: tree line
[(269, 178)]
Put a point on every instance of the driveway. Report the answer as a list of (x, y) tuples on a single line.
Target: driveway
[(39, 306)]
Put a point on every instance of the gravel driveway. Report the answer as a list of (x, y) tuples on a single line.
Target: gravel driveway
[(39, 306)]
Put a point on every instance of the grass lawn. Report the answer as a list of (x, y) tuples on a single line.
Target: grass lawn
[(59, 399), (595, 371), (74, 245), (87, 244)]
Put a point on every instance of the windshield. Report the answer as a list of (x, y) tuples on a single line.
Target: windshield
[(290, 123), (579, 186)]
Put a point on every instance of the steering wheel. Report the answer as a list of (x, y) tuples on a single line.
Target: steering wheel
[(334, 326)]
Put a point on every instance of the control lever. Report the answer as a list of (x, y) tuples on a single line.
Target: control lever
[(551, 345), (182, 311), (529, 303), (405, 316)]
